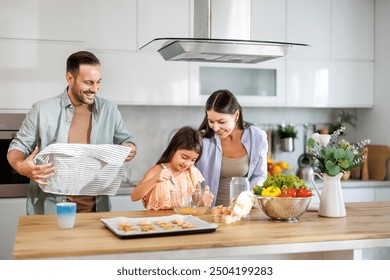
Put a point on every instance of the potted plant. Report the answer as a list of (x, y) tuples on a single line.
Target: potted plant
[(333, 158), (287, 134), (343, 118)]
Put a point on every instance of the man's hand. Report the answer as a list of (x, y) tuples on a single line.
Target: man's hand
[(27, 167), (133, 151)]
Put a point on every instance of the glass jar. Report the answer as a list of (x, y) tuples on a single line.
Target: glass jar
[(238, 185)]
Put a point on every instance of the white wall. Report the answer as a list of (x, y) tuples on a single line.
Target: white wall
[(374, 123)]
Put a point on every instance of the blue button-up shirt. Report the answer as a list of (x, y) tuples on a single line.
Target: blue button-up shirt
[(48, 122), (256, 145)]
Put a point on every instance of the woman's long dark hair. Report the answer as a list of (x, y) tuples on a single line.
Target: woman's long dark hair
[(221, 101), (186, 138)]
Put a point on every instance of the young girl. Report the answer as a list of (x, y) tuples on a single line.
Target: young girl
[(174, 170)]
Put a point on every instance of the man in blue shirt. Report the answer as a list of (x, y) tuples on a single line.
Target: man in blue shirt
[(75, 116)]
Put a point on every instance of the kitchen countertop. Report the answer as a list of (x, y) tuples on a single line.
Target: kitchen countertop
[(127, 188), (353, 183), (365, 226)]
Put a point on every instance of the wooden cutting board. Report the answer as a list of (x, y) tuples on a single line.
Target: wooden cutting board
[(377, 157)]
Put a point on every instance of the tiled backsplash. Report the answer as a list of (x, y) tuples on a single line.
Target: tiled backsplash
[(152, 126)]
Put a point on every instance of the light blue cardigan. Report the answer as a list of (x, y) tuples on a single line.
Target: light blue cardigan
[(256, 145)]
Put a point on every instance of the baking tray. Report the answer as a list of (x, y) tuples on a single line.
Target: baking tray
[(200, 226)]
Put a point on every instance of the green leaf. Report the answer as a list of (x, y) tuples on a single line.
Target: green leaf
[(311, 143), (329, 153), (349, 156), (339, 154), (332, 168), (345, 164)]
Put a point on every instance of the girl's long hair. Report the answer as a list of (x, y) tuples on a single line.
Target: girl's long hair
[(186, 138), (221, 101)]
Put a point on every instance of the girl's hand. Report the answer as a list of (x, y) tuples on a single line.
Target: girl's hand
[(207, 197), (163, 175)]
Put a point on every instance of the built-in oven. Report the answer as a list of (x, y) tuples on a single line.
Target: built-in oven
[(12, 184)]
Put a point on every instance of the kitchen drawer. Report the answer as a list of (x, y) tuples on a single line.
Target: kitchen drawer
[(10, 209)]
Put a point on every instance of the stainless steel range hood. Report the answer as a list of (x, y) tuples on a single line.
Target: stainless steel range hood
[(234, 46)]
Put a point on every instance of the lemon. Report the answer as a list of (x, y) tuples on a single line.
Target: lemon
[(277, 169), (283, 164)]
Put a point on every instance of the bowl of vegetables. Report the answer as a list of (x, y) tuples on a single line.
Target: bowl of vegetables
[(283, 197)]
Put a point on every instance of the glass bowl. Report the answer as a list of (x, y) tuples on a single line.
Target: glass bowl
[(188, 203)]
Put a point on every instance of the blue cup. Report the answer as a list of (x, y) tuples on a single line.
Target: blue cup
[(66, 214)]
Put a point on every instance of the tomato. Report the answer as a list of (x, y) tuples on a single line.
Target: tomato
[(286, 192), (303, 192)]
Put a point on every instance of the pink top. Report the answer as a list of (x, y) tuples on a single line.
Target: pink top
[(160, 196)]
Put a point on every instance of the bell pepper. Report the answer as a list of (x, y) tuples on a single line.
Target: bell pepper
[(287, 192), (271, 191), (304, 192)]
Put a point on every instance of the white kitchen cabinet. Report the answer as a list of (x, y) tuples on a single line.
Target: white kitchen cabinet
[(309, 22), (26, 77), (353, 29), (382, 193), (360, 194), (161, 19), (359, 191), (37, 36), (111, 25), (137, 79), (127, 25), (269, 20), (10, 209), (329, 83), (338, 70), (124, 203), (132, 77), (335, 29), (252, 99), (42, 20)]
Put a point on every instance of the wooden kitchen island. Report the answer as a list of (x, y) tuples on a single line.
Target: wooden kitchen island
[(367, 225)]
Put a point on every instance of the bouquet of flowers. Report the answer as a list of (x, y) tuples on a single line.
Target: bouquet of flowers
[(332, 157)]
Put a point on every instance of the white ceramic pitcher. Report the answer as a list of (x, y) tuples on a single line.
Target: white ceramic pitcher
[(331, 198)]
